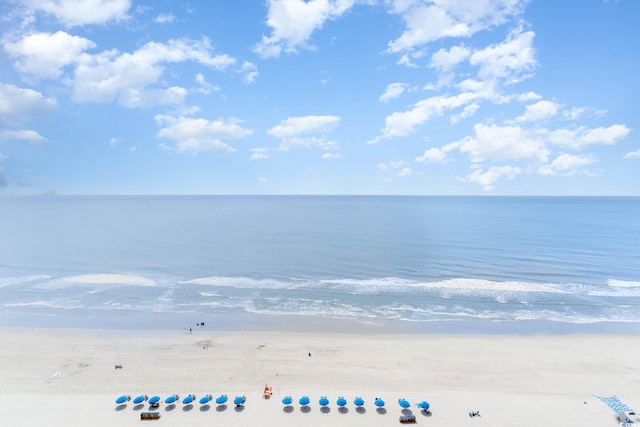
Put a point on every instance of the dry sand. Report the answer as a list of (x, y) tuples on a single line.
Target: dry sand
[(68, 378)]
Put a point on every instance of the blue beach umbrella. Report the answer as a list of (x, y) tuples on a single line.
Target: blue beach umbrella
[(239, 400), (358, 401), (424, 405), (379, 402), (154, 400), (304, 400), (122, 399), (323, 401), (341, 401), (171, 399), (221, 399), (404, 403), (189, 399), (287, 400), (205, 399), (140, 399)]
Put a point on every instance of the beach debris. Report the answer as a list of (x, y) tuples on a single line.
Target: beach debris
[(149, 415), (404, 419), (118, 366), (474, 414)]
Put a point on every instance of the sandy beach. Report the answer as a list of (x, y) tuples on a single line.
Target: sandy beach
[(68, 377)]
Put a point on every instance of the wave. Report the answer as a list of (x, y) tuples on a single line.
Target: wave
[(12, 281), (623, 283), (110, 279)]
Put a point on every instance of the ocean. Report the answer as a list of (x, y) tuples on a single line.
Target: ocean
[(396, 264)]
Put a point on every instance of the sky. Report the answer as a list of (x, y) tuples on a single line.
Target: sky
[(398, 97)]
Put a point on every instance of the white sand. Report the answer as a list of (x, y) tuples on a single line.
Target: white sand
[(57, 377)]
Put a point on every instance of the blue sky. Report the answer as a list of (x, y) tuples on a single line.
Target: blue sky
[(442, 97)]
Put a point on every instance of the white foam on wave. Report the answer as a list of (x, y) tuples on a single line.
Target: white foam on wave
[(623, 283), (11, 281), (110, 279), (57, 304), (245, 283)]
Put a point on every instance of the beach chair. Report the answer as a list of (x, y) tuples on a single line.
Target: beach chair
[(149, 415), (406, 419)]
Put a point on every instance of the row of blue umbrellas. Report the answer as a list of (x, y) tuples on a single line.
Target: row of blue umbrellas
[(155, 400), (358, 401)]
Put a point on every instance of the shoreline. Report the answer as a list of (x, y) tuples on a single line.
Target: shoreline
[(250, 322), (528, 380)]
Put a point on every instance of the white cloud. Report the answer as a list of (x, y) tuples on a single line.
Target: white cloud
[(250, 71), (30, 136), (567, 164), (467, 112), (328, 156), (293, 21), (81, 12), (433, 20), (295, 126), (541, 110), (17, 105), (633, 155), (447, 59), (432, 155), (493, 142), (43, 55), (488, 179), (529, 96), (394, 90), (205, 86), (109, 75), (260, 153), (507, 60), (580, 137), (165, 18), (403, 123), (574, 113), (201, 134), (398, 167)]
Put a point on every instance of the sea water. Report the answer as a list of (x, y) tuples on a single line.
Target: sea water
[(385, 263)]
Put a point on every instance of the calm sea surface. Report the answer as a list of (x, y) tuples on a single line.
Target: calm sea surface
[(451, 264)]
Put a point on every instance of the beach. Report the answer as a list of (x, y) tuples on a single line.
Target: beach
[(69, 377)]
